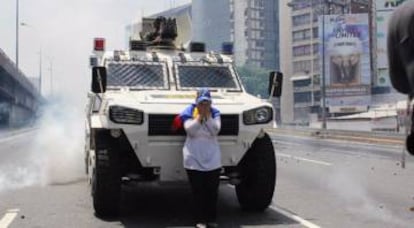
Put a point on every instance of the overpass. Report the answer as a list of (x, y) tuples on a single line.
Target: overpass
[(19, 99)]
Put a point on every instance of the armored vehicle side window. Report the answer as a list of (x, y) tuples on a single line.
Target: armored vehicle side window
[(137, 75), (191, 76)]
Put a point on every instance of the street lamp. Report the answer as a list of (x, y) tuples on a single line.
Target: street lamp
[(17, 34), (51, 75), (40, 57)]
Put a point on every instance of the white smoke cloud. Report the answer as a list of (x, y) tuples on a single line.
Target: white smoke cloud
[(60, 141), (64, 31), (53, 152), (352, 191)]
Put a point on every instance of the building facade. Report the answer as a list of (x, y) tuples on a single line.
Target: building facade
[(307, 52), (255, 32), (252, 25), (211, 24)]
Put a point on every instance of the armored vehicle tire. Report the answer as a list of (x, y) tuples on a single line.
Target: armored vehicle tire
[(258, 176), (106, 176)]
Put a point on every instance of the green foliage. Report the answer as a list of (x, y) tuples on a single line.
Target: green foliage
[(255, 80)]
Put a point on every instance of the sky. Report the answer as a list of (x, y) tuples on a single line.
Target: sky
[(64, 30)]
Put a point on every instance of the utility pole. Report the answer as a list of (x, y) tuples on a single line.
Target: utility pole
[(323, 87), (51, 77), (40, 71), (312, 56), (323, 90)]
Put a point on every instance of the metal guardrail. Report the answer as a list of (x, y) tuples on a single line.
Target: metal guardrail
[(361, 136)]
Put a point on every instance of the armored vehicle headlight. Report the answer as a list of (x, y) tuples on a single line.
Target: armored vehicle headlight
[(124, 115), (258, 116)]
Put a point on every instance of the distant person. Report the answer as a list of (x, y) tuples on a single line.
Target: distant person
[(202, 156), (400, 47), (158, 26)]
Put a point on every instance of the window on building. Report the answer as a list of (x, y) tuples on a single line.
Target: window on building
[(315, 32), (316, 64), (315, 48), (259, 43), (301, 83), (300, 5), (317, 95), (301, 50), (258, 3), (301, 35), (301, 66), (316, 79), (302, 19), (261, 14), (302, 97)]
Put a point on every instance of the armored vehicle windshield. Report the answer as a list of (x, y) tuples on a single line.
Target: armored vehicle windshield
[(193, 75), (137, 75)]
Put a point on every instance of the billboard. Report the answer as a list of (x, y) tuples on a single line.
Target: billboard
[(345, 60)]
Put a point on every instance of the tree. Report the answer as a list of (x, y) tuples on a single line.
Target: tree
[(254, 79)]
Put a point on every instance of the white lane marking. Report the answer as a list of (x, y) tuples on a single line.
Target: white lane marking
[(289, 215), (304, 159), (8, 218), (294, 217)]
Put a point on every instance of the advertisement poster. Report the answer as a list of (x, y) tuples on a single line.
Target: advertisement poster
[(345, 60)]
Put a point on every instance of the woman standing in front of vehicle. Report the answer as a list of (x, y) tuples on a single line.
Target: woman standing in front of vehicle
[(202, 156)]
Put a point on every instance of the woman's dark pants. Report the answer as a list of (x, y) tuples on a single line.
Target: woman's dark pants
[(204, 185)]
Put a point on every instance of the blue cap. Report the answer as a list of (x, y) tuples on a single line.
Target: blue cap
[(203, 95)]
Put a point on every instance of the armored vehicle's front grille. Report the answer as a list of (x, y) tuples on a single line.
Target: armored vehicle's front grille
[(160, 124)]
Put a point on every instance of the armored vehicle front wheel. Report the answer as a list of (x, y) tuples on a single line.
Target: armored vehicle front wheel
[(106, 176), (258, 176)]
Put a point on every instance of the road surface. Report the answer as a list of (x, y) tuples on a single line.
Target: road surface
[(320, 183)]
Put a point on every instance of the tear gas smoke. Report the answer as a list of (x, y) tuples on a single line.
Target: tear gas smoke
[(60, 140), (53, 151)]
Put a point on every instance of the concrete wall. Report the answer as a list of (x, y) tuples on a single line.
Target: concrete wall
[(20, 116)]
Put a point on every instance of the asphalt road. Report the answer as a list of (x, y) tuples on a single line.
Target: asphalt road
[(320, 183), (344, 184)]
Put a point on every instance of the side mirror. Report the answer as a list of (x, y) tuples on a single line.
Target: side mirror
[(275, 84), (98, 79)]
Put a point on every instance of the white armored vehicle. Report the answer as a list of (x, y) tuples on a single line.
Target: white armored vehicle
[(135, 96)]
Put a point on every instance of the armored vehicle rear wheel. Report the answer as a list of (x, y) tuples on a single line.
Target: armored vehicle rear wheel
[(106, 176), (258, 176)]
